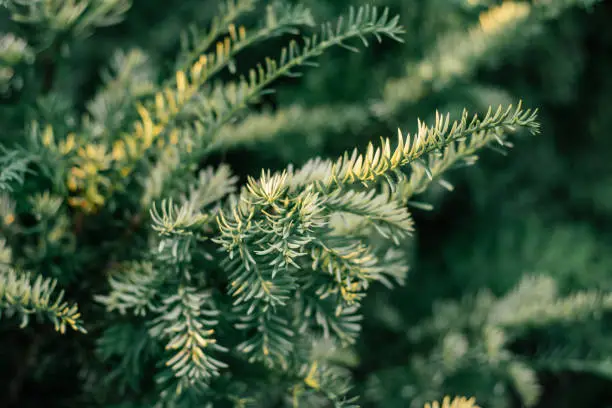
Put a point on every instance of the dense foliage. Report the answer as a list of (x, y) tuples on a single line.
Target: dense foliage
[(175, 234)]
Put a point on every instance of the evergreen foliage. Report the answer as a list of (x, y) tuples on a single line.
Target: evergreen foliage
[(205, 225)]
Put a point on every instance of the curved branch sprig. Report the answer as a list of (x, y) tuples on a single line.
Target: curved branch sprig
[(279, 21), (363, 22), (229, 11), (383, 163), (18, 295)]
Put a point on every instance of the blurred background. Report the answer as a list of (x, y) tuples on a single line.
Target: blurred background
[(543, 212)]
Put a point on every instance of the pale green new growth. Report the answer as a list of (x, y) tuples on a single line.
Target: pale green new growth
[(384, 163), (210, 187), (13, 50), (133, 289), (177, 220), (19, 296), (13, 167), (463, 151), (186, 319), (77, 16)]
